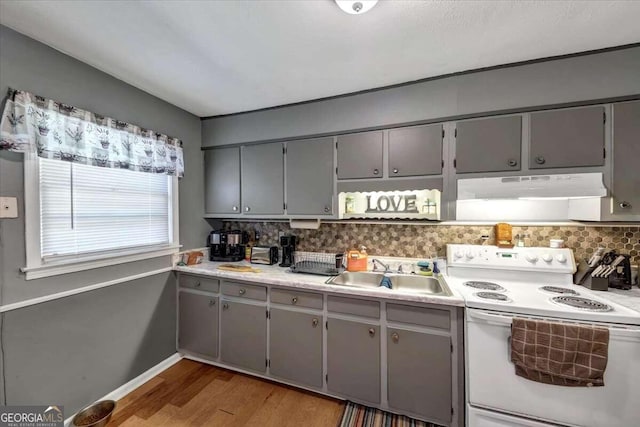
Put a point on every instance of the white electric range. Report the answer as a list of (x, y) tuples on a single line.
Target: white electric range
[(500, 284)]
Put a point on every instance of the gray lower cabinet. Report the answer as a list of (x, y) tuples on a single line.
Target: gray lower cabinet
[(360, 155), (198, 323), (488, 145), (222, 181), (415, 151), (262, 182), (626, 158), (243, 335), (567, 138), (353, 359), (419, 374), (310, 173), (295, 346)]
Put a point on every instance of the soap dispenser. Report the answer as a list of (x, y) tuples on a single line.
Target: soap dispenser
[(357, 260)]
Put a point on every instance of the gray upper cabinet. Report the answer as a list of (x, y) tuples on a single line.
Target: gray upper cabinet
[(626, 158), (310, 173), (489, 145), (243, 335), (295, 346), (360, 155), (222, 181), (198, 324), (263, 179), (353, 359), (415, 151), (419, 374), (567, 138)]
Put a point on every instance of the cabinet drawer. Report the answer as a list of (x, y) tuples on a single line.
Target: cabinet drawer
[(353, 306), (245, 291), (432, 317), (199, 282), (299, 299)]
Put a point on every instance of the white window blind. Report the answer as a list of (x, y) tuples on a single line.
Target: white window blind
[(89, 210)]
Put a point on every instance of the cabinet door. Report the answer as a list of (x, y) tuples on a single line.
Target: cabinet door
[(310, 174), (415, 151), (419, 373), (626, 158), (489, 145), (360, 155), (198, 324), (222, 180), (567, 138), (243, 335), (353, 359), (263, 179), (295, 346)]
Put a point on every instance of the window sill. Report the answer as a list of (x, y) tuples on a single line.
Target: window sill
[(71, 266)]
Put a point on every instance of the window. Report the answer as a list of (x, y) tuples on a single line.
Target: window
[(81, 216)]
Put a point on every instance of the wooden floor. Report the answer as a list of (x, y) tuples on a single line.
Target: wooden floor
[(195, 394)]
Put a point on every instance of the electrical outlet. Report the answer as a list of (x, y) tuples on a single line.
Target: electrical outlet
[(8, 207)]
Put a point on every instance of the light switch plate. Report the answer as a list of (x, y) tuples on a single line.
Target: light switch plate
[(8, 207)]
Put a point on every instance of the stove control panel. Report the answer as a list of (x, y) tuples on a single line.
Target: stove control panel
[(553, 260)]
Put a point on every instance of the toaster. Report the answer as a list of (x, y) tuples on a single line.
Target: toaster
[(264, 255)]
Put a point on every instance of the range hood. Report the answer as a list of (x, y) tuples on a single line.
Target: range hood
[(534, 187)]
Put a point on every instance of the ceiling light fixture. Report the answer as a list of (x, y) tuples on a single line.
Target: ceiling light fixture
[(357, 7)]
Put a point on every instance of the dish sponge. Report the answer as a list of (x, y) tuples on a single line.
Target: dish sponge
[(424, 269)]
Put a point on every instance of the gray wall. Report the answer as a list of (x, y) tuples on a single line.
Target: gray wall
[(73, 350), (569, 80)]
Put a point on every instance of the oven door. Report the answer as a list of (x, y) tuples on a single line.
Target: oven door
[(493, 384)]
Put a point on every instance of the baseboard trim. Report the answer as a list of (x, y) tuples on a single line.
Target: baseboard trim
[(128, 387)]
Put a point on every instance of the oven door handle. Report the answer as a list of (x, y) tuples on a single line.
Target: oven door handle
[(490, 318), (624, 333)]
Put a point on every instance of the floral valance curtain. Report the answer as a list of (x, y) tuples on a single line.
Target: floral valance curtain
[(59, 131)]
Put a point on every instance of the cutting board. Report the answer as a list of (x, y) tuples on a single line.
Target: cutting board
[(238, 268)]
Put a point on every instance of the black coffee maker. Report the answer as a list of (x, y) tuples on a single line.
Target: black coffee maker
[(288, 245), (227, 245)]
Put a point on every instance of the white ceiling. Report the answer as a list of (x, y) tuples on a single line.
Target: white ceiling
[(220, 57)]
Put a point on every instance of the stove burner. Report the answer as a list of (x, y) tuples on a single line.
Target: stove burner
[(559, 290), (582, 303), (485, 285), (492, 296)]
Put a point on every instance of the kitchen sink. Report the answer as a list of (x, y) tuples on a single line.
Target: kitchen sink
[(399, 282), (358, 279)]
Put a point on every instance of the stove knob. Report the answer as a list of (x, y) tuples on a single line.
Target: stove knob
[(469, 255), (532, 258), (561, 258), (547, 257), (458, 254)]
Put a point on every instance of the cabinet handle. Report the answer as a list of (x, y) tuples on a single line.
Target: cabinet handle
[(247, 208), (395, 337), (212, 302), (234, 208), (294, 300), (625, 205), (225, 306), (242, 291), (327, 209), (395, 170), (314, 322), (513, 162), (540, 160), (372, 332), (376, 171)]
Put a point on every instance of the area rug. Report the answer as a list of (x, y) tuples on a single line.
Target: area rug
[(355, 415)]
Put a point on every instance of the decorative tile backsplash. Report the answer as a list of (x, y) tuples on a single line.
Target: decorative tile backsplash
[(423, 241)]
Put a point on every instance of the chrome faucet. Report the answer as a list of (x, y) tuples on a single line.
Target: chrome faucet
[(382, 264)]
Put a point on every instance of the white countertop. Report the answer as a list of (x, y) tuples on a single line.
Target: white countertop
[(629, 299), (282, 276)]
